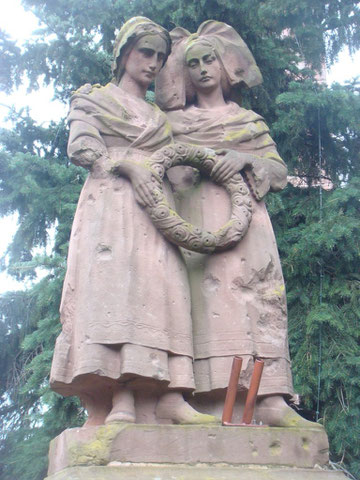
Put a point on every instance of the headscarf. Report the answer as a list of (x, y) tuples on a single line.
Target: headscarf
[(130, 32), (173, 82)]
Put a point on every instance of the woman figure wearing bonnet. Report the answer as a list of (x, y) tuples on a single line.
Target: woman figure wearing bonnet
[(126, 340), (238, 296)]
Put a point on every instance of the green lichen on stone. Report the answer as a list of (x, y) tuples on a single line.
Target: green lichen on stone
[(237, 134), (97, 451), (273, 156)]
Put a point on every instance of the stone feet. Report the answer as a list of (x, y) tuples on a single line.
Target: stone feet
[(173, 407), (272, 410), (170, 408), (123, 406), (97, 407)]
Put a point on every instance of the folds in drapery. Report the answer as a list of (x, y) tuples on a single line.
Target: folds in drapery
[(238, 296), (125, 307)]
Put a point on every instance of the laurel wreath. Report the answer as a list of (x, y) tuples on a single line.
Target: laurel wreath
[(174, 227)]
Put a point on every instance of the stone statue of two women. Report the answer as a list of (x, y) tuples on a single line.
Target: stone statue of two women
[(149, 329)]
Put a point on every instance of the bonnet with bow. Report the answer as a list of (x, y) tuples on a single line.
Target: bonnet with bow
[(173, 83)]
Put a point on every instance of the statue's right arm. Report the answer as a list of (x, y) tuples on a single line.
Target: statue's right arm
[(86, 148), (85, 144)]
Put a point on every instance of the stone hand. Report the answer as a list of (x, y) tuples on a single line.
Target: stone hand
[(144, 181), (232, 162)]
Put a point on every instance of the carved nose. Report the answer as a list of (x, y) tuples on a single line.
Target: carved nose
[(203, 68)]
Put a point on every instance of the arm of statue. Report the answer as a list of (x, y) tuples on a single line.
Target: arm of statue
[(231, 162), (254, 155), (87, 149), (264, 171), (143, 180), (267, 173), (85, 144)]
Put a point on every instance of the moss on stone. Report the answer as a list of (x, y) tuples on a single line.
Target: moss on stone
[(237, 134), (97, 451)]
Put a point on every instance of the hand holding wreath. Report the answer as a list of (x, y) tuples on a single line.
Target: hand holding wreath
[(175, 228), (231, 163)]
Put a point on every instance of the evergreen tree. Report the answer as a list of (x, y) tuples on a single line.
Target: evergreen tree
[(318, 233), (318, 246)]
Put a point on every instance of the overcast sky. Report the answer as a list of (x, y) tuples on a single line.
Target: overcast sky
[(20, 24)]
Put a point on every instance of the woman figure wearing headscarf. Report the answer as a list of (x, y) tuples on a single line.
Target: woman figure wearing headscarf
[(238, 296), (126, 338)]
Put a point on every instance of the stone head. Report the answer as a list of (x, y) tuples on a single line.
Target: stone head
[(138, 30), (174, 87), (204, 68)]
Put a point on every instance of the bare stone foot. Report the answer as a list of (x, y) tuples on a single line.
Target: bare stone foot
[(97, 407), (274, 411), (123, 406), (172, 406)]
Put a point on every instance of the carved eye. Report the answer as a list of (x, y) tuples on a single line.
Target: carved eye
[(147, 52), (193, 64), (209, 59)]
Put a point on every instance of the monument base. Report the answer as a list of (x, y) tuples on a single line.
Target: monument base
[(199, 472), (186, 452)]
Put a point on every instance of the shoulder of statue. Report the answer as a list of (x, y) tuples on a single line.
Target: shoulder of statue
[(180, 115), (88, 96), (250, 115), (157, 109), (87, 89), (86, 99)]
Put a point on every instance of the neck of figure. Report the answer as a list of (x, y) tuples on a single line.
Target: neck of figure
[(133, 88), (210, 98)]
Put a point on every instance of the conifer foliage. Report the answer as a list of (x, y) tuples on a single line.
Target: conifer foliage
[(317, 132)]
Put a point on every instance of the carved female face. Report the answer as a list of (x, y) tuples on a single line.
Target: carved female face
[(145, 59), (204, 67)]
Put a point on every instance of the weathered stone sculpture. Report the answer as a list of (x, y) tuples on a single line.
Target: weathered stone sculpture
[(126, 340), (126, 347), (238, 296)]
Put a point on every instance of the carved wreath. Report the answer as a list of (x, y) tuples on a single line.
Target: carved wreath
[(175, 228)]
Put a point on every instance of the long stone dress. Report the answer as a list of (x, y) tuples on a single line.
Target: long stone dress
[(238, 296), (125, 308)]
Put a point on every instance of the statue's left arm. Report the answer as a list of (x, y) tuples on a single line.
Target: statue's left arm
[(257, 158), (266, 172)]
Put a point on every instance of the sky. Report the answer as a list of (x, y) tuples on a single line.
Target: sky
[(20, 24)]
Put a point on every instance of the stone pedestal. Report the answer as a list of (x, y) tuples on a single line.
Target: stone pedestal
[(181, 472), (165, 452)]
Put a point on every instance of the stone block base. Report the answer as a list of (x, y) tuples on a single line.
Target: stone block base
[(188, 445), (180, 472)]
